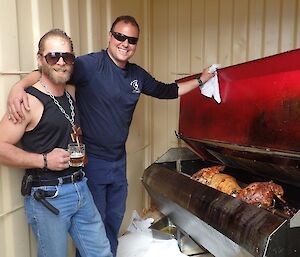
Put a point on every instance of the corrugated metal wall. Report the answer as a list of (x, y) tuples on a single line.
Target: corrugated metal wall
[(178, 37)]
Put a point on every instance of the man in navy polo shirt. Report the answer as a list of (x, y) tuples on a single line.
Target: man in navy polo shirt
[(108, 87)]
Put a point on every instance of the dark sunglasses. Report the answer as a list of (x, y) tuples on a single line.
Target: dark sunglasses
[(53, 57), (121, 37)]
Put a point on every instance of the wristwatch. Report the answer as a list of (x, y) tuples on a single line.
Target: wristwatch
[(199, 80)]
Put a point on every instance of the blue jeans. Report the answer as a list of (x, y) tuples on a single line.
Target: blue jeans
[(108, 184), (78, 216)]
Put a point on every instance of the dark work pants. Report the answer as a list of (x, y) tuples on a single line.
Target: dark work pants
[(108, 185)]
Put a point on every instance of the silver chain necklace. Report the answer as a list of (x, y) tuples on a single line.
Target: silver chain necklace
[(70, 119)]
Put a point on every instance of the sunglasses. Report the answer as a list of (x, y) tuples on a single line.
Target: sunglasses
[(121, 37), (53, 57)]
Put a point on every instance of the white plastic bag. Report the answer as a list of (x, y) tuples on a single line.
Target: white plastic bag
[(138, 224)]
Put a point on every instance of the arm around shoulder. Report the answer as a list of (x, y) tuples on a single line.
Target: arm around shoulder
[(18, 97)]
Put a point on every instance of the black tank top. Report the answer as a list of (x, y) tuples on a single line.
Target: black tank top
[(53, 130)]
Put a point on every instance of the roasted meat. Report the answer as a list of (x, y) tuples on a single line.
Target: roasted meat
[(255, 193), (212, 177), (205, 175), (261, 193)]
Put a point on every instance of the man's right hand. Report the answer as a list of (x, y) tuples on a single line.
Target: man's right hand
[(16, 98), (58, 159)]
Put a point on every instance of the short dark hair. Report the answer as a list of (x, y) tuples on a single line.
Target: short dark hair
[(125, 19), (54, 33)]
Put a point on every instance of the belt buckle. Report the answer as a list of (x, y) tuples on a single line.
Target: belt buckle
[(76, 176), (60, 181)]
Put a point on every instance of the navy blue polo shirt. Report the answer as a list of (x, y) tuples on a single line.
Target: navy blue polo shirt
[(106, 97)]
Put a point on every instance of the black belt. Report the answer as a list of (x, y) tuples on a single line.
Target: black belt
[(73, 178)]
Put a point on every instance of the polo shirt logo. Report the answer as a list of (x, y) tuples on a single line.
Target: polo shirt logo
[(135, 86)]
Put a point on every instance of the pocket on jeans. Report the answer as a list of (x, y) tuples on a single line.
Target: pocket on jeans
[(52, 191)]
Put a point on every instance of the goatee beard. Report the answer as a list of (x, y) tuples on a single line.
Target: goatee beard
[(51, 73)]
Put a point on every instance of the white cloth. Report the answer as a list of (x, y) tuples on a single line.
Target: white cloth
[(139, 241), (211, 87), (142, 244), (137, 224)]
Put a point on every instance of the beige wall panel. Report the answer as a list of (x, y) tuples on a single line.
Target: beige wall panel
[(73, 30), (225, 32), (12, 215), (85, 20), (129, 7), (11, 179), (61, 15), (27, 41), (172, 119), (92, 22), (240, 32), (161, 43), (272, 27), (1, 198), (297, 29), (288, 25), (2, 233), (175, 36), (32, 243), (135, 199), (197, 35), (9, 37), (137, 137), (211, 32), (42, 17), (179, 52), (169, 36), (256, 29), (98, 26), (180, 37), (34, 19), (159, 137), (16, 242)]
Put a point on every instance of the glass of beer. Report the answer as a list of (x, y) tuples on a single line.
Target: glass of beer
[(77, 152)]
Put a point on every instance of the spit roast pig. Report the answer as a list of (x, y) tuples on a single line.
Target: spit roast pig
[(261, 193), (212, 177)]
